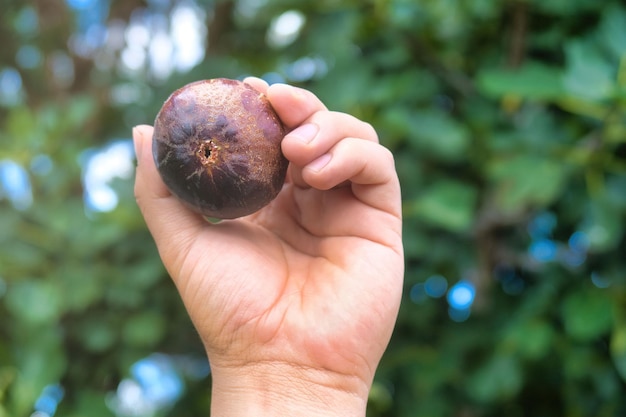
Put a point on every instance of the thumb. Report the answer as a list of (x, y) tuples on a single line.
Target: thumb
[(148, 183), (172, 225)]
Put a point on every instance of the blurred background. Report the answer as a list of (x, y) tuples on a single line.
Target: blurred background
[(508, 122)]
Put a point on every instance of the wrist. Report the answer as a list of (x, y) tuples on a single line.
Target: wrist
[(272, 389)]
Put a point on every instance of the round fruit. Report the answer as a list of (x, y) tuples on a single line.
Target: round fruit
[(217, 148)]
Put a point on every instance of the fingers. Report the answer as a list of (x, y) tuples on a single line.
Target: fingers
[(351, 159), (327, 149), (170, 222), (257, 83), (332, 148), (292, 104), (367, 166), (320, 132)]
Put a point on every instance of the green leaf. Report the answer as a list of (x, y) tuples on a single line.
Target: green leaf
[(438, 134), (587, 314), (97, 333), (611, 31), (380, 398), (34, 301), (577, 358), (532, 81), (146, 274), (81, 287), (144, 329), (603, 224), (7, 376), (89, 402), (565, 8), (21, 123), (40, 363), (526, 180), (79, 110), (411, 85), (500, 378), (588, 75), (21, 254), (531, 339), (618, 349), (448, 204)]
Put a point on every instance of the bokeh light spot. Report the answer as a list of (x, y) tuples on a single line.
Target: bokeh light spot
[(542, 225), (100, 168), (28, 56), (27, 21), (10, 87), (49, 400), (436, 286), (417, 294), (599, 280), (459, 314), (543, 250), (461, 295), (41, 164), (579, 241), (81, 4), (15, 184), (285, 29)]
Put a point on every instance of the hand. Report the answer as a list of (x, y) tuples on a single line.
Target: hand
[(296, 303)]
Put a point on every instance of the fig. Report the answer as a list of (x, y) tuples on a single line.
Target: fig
[(217, 148)]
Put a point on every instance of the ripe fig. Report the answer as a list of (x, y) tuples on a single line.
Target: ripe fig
[(217, 148)]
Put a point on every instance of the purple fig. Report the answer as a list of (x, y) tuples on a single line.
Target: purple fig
[(217, 148)]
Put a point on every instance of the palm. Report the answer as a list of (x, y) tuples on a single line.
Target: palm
[(286, 277)]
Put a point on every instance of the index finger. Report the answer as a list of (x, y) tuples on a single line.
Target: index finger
[(292, 104), (257, 83)]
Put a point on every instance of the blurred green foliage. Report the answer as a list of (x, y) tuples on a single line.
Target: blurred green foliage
[(508, 122)]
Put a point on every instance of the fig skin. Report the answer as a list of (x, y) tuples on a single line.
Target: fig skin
[(217, 148)]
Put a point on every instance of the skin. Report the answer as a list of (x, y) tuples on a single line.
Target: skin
[(296, 303)]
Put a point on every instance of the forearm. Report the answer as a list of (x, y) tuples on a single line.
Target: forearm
[(281, 390)]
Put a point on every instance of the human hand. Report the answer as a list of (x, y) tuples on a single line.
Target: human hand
[(296, 303)]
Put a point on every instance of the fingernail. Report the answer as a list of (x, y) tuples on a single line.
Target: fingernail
[(137, 143), (305, 133), (320, 162)]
